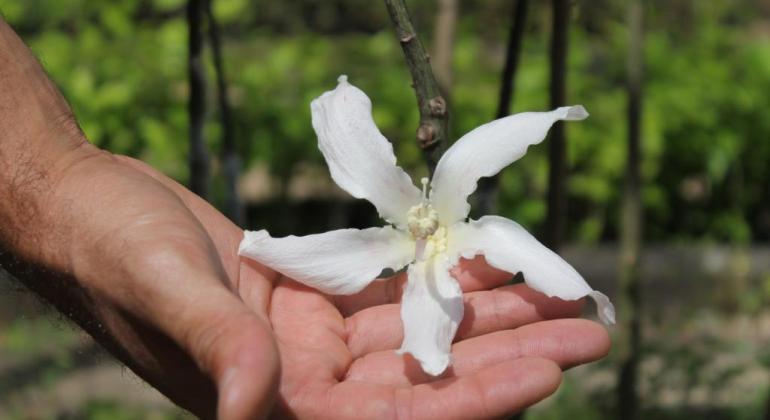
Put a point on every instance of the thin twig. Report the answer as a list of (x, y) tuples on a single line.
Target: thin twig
[(231, 163), (432, 133)]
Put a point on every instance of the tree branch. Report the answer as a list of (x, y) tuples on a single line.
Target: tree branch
[(432, 133), (231, 163)]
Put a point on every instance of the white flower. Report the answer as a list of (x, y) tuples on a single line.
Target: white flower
[(430, 232)]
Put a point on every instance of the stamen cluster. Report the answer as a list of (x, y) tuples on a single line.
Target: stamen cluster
[(422, 219)]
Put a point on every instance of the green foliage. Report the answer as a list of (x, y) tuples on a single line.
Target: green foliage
[(34, 335), (122, 65)]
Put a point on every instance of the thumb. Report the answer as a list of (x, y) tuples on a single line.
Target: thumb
[(235, 347), (228, 342)]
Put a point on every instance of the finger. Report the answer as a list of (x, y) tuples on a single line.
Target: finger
[(380, 327), (310, 331), (247, 369), (236, 349), (476, 274), (378, 292), (472, 275), (567, 342), (220, 337), (493, 392), (181, 293), (496, 391)]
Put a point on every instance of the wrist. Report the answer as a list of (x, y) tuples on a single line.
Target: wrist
[(33, 223)]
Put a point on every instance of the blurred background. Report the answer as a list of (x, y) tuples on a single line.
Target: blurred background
[(661, 198)]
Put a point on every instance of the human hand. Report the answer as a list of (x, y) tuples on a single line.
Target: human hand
[(149, 275), (339, 361), (157, 275), (509, 352), (337, 353)]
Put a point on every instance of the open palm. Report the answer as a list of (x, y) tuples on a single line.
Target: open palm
[(337, 352), (338, 355)]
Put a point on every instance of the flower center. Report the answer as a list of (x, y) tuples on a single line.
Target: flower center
[(422, 223), (422, 219)]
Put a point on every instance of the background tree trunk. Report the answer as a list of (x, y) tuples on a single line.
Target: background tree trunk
[(230, 160), (556, 219), (443, 44), (486, 196), (199, 160), (630, 235), (767, 408)]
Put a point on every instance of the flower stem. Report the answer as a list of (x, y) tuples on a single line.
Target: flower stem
[(432, 132)]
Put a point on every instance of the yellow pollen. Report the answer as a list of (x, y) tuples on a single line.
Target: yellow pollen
[(435, 244), (422, 221)]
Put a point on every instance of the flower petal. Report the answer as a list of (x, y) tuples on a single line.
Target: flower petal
[(509, 247), (484, 152), (339, 262), (360, 158), (431, 310)]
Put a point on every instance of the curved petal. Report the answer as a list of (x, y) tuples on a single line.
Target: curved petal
[(360, 158), (509, 247), (484, 152), (340, 262), (431, 310)]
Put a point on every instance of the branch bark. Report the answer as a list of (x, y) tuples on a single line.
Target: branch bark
[(488, 187), (230, 161), (432, 132), (631, 233), (556, 219), (199, 158)]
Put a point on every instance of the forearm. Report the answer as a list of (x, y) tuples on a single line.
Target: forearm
[(39, 139)]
